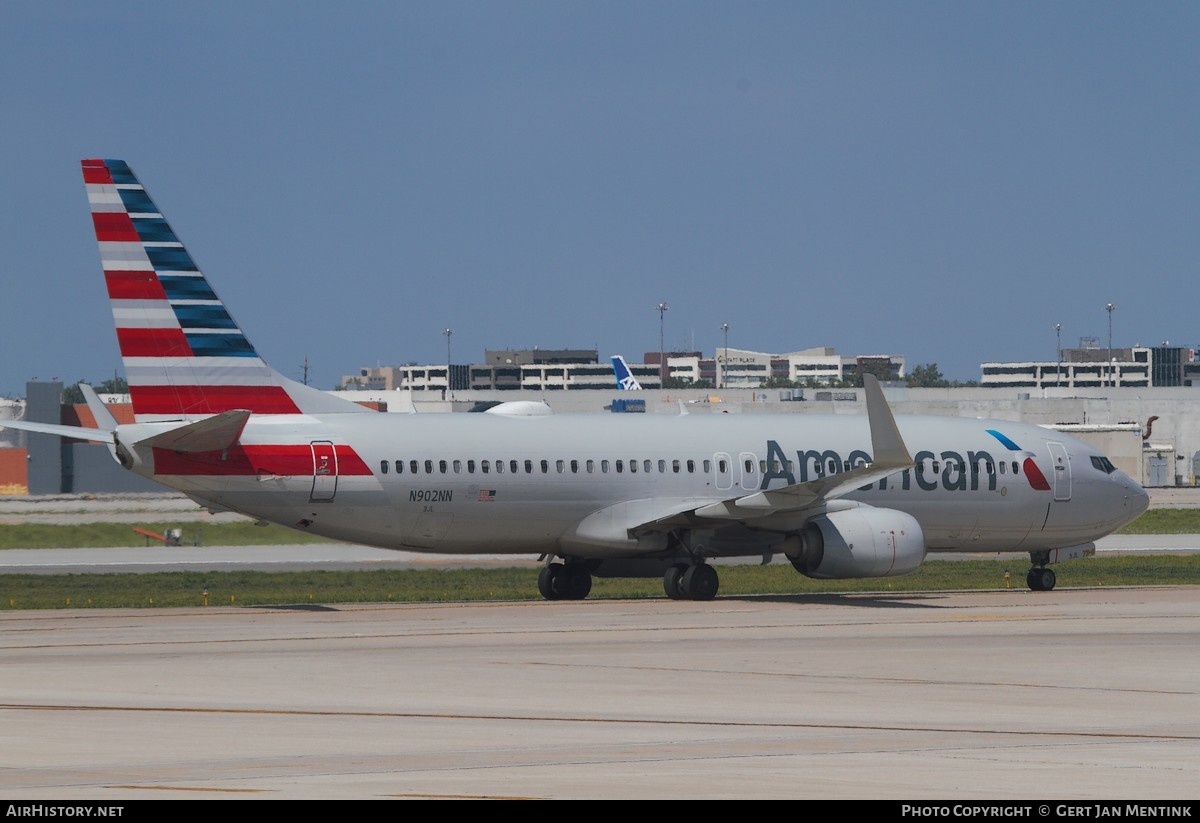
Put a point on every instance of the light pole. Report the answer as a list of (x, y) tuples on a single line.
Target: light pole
[(1058, 374), (449, 387), (1109, 308), (662, 358), (725, 362)]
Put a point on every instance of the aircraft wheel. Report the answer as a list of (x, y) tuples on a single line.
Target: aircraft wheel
[(574, 582), (1041, 579), (1046, 579), (700, 582), (547, 581), (673, 580)]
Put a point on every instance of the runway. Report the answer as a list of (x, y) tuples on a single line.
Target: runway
[(1075, 694)]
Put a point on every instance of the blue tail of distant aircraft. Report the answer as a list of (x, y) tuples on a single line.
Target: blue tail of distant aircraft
[(625, 378)]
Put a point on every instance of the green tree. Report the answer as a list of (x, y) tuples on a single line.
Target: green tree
[(927, 376), (680, 383)]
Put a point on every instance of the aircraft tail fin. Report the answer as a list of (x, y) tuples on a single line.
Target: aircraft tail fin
[(184, 355), (625, 378)]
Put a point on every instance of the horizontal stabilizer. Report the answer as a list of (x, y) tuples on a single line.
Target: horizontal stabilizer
[(77, 432), (208, 435)]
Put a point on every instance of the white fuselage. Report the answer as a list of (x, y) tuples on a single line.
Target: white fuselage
[(480, 483)]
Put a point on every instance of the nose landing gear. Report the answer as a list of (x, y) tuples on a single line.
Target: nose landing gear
[(1040, 578)]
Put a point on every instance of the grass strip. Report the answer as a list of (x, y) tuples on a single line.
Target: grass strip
[(308, 588)]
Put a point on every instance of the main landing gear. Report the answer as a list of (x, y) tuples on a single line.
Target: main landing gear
[(1040, 578), (564, 581), (696, 582), (573, 581)]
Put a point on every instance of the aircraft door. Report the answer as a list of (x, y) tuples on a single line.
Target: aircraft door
[(325, 470), (723, 466), (748, 466), (1061, 466)]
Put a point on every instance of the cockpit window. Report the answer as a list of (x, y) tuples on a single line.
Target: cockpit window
[(1103, 464)]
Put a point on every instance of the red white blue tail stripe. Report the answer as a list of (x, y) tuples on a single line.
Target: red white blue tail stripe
[(184, 355)]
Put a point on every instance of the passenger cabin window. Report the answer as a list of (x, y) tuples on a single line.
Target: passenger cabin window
[(662, 466), (675, 466), (399, 467), (484, 466), (383, 466), (499, 467), (458, 467), (559, 465), (414, 466), (442, 466), (470, 467), (646, 466), (574, 466)]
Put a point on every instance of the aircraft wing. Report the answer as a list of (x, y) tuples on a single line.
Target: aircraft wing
[(621, 521), (798, 495), (887, 447)]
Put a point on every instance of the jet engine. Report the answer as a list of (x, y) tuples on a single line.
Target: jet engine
[(858, 542)]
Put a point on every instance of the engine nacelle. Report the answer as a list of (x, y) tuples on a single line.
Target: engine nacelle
[(858, 542)]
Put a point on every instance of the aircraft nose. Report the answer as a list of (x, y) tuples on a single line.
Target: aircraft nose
[(1139, 498), (1128, 499)]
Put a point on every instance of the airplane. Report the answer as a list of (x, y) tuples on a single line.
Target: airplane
[(625, 378), (839, 496)]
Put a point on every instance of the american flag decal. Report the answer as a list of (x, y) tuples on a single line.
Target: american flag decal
[(487, 495)]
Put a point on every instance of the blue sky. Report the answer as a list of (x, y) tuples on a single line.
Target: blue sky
[(942, 180)]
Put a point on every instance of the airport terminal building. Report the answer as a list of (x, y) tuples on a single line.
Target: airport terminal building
[(582, 369), (1092, 367)]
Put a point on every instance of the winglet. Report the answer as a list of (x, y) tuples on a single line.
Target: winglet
[(887, 446)]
